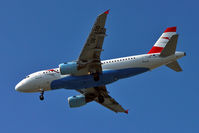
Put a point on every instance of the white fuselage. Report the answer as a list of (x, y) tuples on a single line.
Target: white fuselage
[(41, 80)]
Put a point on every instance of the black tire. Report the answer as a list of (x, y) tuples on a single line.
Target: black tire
[(100, 99), (96, 76), (41, 97)]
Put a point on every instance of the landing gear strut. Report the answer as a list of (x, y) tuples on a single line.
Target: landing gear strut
[(41, 97), (96, 76)]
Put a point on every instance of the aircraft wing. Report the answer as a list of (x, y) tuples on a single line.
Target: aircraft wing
[(110, 103), (89, 58)]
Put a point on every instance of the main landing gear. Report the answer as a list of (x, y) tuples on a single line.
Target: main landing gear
[(41, 97), (96, 76), (100, 99)]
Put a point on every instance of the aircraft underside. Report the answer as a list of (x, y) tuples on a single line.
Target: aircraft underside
[(87, 81)]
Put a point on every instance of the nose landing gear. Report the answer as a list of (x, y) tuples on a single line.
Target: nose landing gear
[(41, 97)]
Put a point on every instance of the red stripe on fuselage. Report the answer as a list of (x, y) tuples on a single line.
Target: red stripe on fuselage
[(155, 50), (52, 70)]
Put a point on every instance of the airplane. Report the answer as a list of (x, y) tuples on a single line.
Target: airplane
[(89, 75)]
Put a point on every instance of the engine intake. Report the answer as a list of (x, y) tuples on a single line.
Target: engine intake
[(77, 101), (68, 68)]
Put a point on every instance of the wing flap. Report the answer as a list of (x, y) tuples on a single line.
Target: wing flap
[(89, 59), (94, 40), (109, 102)]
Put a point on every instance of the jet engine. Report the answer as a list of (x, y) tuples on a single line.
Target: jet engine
[(77, 101), (68, 68)]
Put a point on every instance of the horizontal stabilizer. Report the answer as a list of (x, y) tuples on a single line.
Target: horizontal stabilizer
[(170, 47), (175, 66)]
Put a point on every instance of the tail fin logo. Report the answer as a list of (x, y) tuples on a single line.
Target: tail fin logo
[(166, 38), (163, 40)]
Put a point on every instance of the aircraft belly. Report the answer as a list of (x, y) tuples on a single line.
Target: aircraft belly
[(87, 81)]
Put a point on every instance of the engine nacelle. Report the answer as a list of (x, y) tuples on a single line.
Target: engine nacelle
[(68, 68), (77, 101)]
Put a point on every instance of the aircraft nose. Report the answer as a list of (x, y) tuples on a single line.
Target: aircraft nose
[(20, 87)]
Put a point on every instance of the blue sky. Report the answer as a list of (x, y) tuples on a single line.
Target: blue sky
[(40, 34)]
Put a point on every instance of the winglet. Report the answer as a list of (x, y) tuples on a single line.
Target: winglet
[(126, 111), (107, 12)]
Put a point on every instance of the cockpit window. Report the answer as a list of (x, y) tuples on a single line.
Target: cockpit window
[(27, 76)]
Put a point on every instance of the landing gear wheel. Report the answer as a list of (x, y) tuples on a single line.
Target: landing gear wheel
[(41, 97), (100, 99), (96, 76)]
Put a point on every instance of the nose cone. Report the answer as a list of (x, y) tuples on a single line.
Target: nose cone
[(27, 85), (20, 87)]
